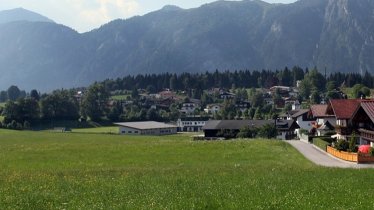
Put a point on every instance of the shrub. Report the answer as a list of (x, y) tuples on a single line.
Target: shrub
[(247, 132), (330, 133), (341, 145), (26, 125), (321, 143), (12, 125), (328, 139), (303, 131), (267, 131), (371, 151), (352, 143)]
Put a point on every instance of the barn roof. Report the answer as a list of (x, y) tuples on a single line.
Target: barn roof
[(344, 108), (145, 125), (238, 124), (368, 107), (319, 110), (234, 124)]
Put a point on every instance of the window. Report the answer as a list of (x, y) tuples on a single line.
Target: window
[(130, 132), (136, 132)]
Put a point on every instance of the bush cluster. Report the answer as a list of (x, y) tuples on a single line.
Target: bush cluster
[(341, 145), (14, 125), (321, 143)]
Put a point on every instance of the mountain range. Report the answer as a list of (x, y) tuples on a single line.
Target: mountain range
[(336, 35)]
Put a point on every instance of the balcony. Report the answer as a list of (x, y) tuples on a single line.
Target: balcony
[(343, 130), (367, 135)]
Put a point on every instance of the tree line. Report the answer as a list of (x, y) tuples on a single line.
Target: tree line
[(229, 79), (25, 109)]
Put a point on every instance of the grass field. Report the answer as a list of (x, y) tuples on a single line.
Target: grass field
[(44, 170), (99, 130), (119, 97)]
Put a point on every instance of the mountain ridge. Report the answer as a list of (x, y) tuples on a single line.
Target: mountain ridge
[(224, 35), (21, 14)]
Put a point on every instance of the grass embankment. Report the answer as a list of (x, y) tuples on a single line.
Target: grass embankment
[(98, 130), (43, 170), (119, 97)]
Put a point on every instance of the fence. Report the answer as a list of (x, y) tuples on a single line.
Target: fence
[(350, 156)]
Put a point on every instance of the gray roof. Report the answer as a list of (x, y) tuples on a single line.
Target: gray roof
[(286, 124), (145, 125), (234, 124), (300, 112), (238, 124)]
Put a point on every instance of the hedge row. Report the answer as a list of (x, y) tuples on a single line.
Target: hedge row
[(321, 143)]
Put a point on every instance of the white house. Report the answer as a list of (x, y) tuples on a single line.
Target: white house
[(189, 108), (304, 119), (146, 128), (191, 124), (324, 122), (213, 108)]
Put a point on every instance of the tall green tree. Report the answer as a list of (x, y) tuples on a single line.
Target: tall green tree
[(30, 110), (359, 90), (59, 105), (13, 93), (34, 94), (94, 103), (3, 96)]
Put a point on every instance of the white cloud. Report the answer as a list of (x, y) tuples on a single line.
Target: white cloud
[(84, 15), (98, 12)]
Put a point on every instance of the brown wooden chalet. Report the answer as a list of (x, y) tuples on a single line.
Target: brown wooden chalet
[(353, 116)]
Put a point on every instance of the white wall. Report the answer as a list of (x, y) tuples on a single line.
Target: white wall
[(307, 125), (156, 132), (129, 131)]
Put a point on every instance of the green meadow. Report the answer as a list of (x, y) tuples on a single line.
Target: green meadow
[(47, 170), (98, 130)]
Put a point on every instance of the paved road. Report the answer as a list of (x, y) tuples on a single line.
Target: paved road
[(321, 158)]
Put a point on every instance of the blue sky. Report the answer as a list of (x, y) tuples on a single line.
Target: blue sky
[(84, 15)]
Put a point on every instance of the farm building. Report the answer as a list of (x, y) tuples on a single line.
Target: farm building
[(146, 128), (217, 128)]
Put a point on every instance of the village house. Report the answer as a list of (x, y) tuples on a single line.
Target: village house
[(354, 118), (324, 122), (189, 108), (295, 104), (191, 124), (304, 119), (227, 95), (343, 110), (366, 126), (284, 91), (286, 129), (242, 105), (216, 128), (213, 108), (166, 94), (146, 128)]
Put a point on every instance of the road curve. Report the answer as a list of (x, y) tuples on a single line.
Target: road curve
[(322, 158)]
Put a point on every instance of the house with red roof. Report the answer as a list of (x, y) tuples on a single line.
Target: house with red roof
[(353, 116), (343, 110), (365, 115)]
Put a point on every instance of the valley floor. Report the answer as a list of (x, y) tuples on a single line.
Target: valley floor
[(45, 170)]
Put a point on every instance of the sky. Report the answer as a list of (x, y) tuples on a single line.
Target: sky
[(85, 15)]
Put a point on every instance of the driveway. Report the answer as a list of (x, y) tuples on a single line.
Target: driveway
[(322, 158)]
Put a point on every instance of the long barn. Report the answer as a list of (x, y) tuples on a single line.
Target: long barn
[(146, 128)]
